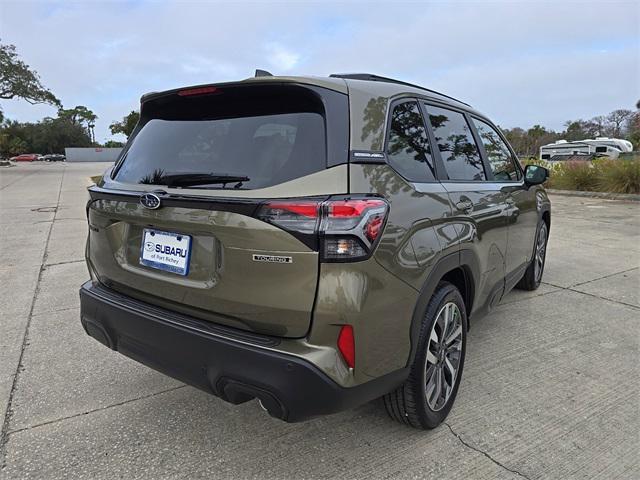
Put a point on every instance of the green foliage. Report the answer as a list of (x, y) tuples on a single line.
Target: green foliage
[(113, 144), (528, 142), (17, 80), (620, 176), (79, 115), (51, 135), (11, 146), (603, 175), (126, 125), (620, 123), (579, 175)]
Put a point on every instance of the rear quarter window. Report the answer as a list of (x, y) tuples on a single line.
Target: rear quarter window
[(408, 149), (458, 149)]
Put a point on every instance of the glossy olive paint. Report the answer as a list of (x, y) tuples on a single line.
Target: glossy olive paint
[(223, 280), (309, 299)]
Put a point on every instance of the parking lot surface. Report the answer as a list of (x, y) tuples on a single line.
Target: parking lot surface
[(550, 388)]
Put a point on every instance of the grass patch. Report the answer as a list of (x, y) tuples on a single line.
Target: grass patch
[(620, 176)]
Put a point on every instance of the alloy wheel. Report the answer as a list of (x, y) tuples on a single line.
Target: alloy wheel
[(444, 353), (541, 248)]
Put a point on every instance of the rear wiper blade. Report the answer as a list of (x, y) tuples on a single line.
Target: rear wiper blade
[(192, 179)]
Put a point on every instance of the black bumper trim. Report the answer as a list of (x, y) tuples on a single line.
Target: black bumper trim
[(232, 368)]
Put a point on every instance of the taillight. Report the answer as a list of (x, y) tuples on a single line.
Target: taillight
[(299, 216), (348, 230), (347, 345)]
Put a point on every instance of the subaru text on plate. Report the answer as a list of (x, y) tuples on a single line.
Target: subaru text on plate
[(313, 243)]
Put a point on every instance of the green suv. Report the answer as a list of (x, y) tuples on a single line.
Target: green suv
[(313, 243)]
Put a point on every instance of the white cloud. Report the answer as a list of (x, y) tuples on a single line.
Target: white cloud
[(520, 62), (281, 58)]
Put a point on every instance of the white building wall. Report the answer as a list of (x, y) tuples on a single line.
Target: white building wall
[(93, 154)]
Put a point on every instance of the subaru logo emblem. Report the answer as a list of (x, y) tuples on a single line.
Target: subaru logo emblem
[(149, 200)]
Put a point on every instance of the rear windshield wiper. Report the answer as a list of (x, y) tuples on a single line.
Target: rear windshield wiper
[(193, 179)]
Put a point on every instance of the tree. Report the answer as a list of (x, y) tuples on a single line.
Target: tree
[(633, 128), (617, 119), (600, 125), (18, 80), (577, 130), (126, 125), (517, 138), (50, 135), (80, 115), (113, 144)]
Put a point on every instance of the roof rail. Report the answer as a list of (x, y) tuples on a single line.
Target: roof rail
[(377, 78)]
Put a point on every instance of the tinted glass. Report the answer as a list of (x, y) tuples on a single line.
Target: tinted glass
[(500, 159), (408, 147), (456, 144), (269, 149)]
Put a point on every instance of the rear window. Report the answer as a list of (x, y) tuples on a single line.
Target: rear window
[(256, 140)]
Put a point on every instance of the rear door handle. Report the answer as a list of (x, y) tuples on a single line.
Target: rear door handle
[(465, 206)]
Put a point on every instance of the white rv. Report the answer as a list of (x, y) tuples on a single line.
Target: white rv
[(589, 148)]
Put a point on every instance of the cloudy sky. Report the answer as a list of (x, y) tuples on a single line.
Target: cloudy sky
[(522, 63)]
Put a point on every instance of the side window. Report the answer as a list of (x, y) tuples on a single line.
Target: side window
[(408, 147), (455, 141), (501, 161)]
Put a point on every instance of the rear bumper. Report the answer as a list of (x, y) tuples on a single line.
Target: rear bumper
[(233, 365)]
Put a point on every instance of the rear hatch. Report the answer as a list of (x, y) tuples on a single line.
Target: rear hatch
[(182, 219)]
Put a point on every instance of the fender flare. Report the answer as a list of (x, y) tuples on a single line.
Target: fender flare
[(464, 259)]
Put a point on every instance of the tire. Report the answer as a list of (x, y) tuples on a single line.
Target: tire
[(412, 403), (533, 275)]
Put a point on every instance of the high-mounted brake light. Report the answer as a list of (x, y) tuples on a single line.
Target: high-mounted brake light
[(347, 345), (197, 91), (344, 230)]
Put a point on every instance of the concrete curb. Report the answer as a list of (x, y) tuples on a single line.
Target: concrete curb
[(629, 197)]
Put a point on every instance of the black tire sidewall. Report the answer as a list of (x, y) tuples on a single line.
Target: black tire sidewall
[(446, 293), (542, 224)]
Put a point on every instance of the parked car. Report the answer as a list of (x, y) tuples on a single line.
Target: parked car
[(313, 243), (54, 157), (25, 157)]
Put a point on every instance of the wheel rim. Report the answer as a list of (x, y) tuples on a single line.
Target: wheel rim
[(541, 248), (444, 353)]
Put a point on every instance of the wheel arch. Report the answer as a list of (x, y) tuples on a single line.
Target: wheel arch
[(459, 268), (546, 218)]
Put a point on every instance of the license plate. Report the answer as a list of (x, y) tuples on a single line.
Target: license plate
[(166, 251)]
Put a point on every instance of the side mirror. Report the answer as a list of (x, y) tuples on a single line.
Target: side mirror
[(535, 175)]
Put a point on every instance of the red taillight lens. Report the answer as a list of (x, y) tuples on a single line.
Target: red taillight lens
[(352, 228), (197, 91), (352, 208), (297, 216), (306, 209), (348, 228), (347, 345), (373, 227)]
